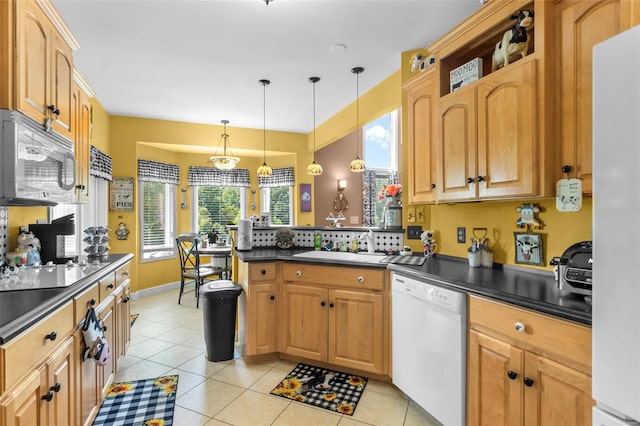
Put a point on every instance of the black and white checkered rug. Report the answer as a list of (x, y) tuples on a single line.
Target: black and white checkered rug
[(142, 402), (323, 388)]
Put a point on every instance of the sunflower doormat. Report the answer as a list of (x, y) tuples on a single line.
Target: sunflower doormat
[(320, 387), (134, 317), (148, 402)]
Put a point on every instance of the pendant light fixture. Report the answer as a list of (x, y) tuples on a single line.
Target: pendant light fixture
[(225, 162), (264, 170), (314, 168), (357, 165)]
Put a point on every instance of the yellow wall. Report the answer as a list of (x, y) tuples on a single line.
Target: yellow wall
[(133, 138)]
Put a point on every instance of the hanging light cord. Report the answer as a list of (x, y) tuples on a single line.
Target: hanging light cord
[(264, 120), (314, 121), (357, 114)]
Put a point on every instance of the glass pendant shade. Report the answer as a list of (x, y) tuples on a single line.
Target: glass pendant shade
[(224, 161), (314, 169), (264, 170), (357, 165)]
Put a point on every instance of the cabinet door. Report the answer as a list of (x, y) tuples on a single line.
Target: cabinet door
[(456, 147), (62, 85), (61, 380), (581, 25), (122, 325), (262, 319), (24, 405), (355, 330), (33, 60), (558, 395), (507, 147), (303, 321), (81, 124), (421, 102), (107, 317), (494, 398), (89, 385)]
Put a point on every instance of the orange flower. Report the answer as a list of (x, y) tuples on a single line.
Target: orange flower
[(345, 408), (391, 190), (161, 381), (170, 389), (299, 397), (329, 396), (154, 422), (355, 381), (119, 388)]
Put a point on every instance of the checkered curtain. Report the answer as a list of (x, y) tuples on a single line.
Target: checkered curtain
[(152, 171), (100, 164), (394, 178), (369, 198), (279, 177), (210, 176)]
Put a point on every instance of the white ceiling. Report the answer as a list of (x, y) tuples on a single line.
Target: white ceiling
[(200, 61)]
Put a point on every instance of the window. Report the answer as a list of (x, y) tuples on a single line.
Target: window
[(157, 184), (381, 158), (278, 201), (276, 195), (157, 219), (380, 143), (214, 207)]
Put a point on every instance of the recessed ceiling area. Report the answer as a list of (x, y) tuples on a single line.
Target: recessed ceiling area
[(200, 61)]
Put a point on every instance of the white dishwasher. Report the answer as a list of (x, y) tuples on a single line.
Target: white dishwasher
[(429, 346)]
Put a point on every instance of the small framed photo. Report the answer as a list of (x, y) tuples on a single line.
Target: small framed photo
[(529, 248)]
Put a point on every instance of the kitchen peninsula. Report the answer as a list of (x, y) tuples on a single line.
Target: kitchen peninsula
[(41, 339)]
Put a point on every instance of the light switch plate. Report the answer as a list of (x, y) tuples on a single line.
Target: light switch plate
[(413, 232)]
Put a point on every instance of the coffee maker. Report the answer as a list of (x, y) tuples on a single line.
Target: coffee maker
[(52, 238)]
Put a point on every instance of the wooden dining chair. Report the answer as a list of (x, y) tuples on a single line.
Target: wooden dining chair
[(190, 268)]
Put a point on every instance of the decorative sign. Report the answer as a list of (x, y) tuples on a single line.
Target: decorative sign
[(121, 194), (305, 197), (569, 195), (465, 74)]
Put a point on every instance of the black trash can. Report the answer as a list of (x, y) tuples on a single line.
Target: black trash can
[(219, 307)]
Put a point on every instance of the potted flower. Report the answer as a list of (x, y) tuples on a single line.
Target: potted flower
[(392, 213)]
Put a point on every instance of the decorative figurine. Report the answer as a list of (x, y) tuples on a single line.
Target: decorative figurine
[(122, 232)]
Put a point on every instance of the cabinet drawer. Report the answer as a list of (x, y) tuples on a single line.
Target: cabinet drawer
[(107, 285), (27, 350), (82, 301), (334, 276), (262, 272), (540, 332), (122, 274)]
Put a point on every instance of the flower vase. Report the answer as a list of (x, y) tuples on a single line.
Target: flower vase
[(393, 213)]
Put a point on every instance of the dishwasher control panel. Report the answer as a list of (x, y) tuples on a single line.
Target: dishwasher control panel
[(426, 290)]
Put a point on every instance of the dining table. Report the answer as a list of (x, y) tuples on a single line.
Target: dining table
[(220, 257)]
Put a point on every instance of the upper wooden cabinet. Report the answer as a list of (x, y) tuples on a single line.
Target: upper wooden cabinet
[(581, 25), (40, 64), (82, 128), (421, 102)]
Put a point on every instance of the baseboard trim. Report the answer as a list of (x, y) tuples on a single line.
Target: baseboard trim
[(154, 290)]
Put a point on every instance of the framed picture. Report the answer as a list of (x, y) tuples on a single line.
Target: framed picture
[(121, 194), (529, 248), (305, 197)]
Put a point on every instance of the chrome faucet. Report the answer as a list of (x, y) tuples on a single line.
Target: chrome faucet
[(368, 237)]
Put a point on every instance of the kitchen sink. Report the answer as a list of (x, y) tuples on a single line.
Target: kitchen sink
[(342, 256)]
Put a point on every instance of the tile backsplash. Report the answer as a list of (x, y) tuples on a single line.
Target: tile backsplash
[(4, 225), (304, 238)]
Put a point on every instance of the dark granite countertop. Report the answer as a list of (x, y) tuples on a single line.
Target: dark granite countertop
[(527, 288), (20, 309)]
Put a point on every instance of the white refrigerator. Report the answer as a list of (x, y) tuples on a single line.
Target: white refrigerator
[(616, 230)]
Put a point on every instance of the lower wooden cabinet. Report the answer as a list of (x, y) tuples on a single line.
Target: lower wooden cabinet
[(520, 374), (262, 314), (47, 395), (341, 327)]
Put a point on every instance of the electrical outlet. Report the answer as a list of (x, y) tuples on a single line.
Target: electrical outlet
[(413, 232), (462, 234)]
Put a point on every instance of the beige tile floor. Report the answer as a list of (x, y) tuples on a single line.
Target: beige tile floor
[(167, 338)]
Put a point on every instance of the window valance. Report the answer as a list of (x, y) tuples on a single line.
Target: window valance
[(152, 171), (201, 176), (100, 164), (280, 177)]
